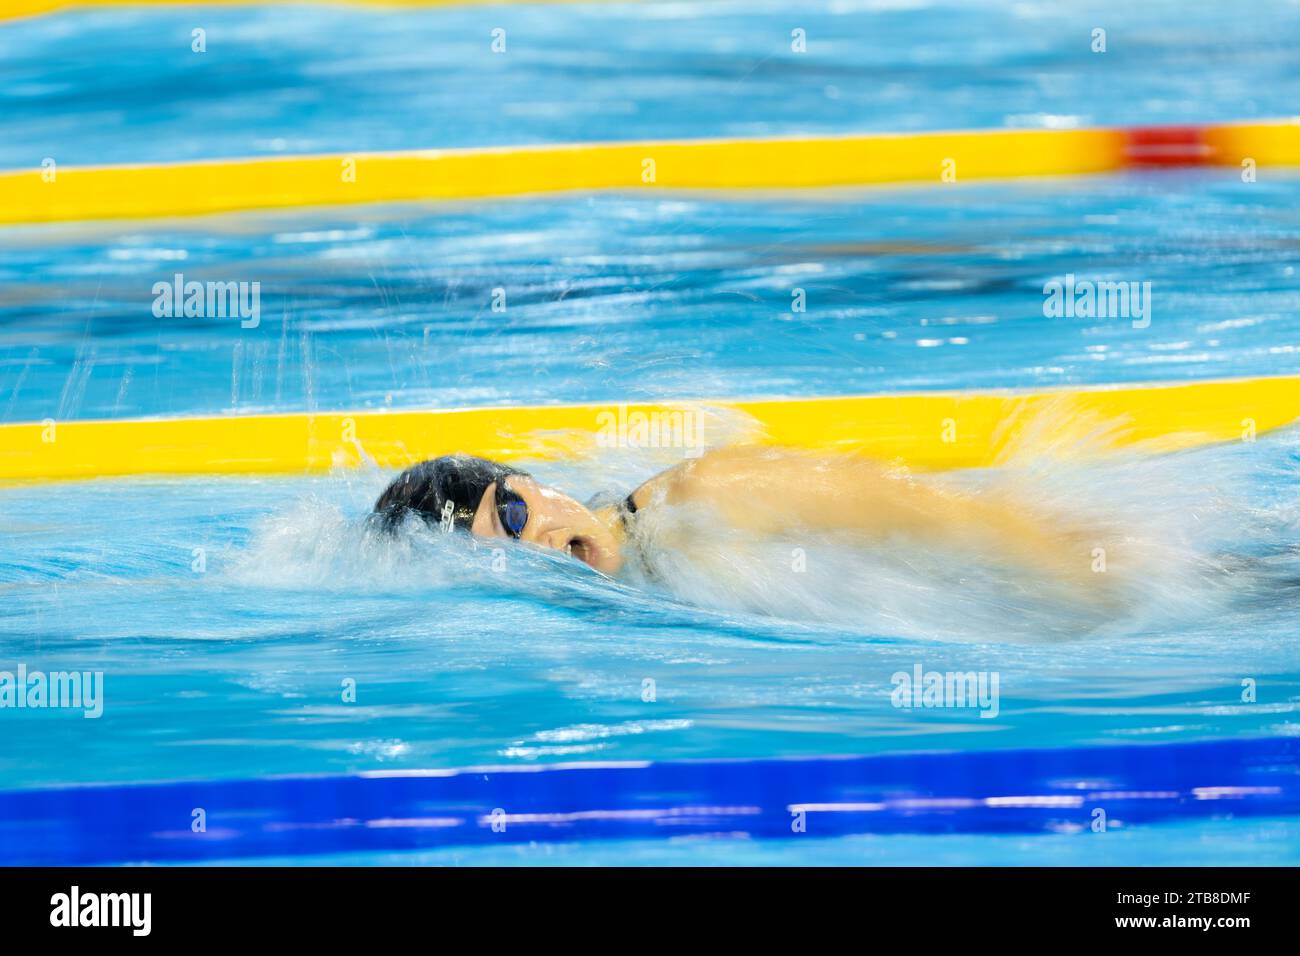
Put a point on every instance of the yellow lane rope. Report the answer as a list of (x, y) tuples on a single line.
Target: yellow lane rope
[(924, 431), (12, 9), (185, 189), (51, 192)]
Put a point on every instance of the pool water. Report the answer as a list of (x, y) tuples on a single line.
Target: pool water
[(234, 664), (627, 297), (231, 616), (123, 85)]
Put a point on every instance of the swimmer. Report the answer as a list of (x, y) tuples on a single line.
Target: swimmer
[(764, 491)]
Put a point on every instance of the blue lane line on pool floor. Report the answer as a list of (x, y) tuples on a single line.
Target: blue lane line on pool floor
[(1012, 791)]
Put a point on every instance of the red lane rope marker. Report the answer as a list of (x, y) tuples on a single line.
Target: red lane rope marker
[(1167, 146)]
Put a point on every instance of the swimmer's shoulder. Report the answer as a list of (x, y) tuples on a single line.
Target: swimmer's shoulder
[(692, 478), (662, 487)]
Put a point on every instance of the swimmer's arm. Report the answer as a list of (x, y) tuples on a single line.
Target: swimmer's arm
[(779, 491)]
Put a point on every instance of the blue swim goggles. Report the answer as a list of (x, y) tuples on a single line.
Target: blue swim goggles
[(511, 509)]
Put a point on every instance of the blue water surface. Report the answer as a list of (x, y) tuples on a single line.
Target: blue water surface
[(124, 85), (231, 615), (620, 297)]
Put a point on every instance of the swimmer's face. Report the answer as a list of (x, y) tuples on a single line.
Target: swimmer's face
[(554, 521)]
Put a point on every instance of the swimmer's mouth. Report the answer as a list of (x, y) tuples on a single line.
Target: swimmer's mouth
[(582, 549)]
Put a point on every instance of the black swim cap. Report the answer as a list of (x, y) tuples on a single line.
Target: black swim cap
[(427, 488)]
